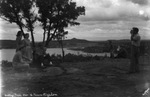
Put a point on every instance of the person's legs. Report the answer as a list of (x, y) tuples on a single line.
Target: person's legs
[(132, 60), (137, 59)]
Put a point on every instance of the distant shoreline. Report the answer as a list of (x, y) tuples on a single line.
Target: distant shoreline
[(83, 45)]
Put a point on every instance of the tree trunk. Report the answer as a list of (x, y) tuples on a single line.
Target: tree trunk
[(32, 37), (47, 42), (62, 48), (44, 36), (52, 36), (63, 54)]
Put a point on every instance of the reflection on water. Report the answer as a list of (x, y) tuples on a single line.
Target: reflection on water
[(7, 54)]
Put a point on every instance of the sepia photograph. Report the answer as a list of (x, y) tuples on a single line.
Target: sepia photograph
[(75, 48)]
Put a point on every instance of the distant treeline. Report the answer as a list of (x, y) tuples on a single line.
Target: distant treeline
[(7, 44), (11, 44), (105, 46), (87, 46), (144, 47)]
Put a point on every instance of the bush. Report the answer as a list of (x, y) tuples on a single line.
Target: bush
[(5, 63), (73, 58)]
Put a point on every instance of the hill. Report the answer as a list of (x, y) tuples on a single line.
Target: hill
[(7, 44), (11, 44)]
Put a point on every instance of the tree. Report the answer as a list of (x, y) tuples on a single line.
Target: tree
[(29, 16), (19, 12), (11, 12), (60, 36), (56, 14), (53, 15), (22, 13)]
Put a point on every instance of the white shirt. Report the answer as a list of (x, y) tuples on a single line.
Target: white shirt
[(136, 40)]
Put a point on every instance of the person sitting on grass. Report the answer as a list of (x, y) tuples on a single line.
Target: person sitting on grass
[(43, 59), (28, 49), (121, 52), (20, 62)]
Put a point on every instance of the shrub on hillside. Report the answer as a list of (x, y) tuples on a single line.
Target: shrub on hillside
[(5, 63), (74, 58)]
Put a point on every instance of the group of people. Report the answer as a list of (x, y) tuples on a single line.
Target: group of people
[(23, 56), (134, 52)]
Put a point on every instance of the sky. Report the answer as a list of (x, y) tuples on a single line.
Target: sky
[(103, 20)]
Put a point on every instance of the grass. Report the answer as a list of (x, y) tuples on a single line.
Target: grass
[(94, 78)]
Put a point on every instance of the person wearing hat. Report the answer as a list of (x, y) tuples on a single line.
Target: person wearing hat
[(135, 49), (18, 60)]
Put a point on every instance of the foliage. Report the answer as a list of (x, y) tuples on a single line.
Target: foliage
[(94, 49), (10, 10), (54, 15), (74, 58), (5, 63), (19, 12), (29, 16)]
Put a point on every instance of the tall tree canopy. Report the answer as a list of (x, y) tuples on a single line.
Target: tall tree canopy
[(19, 12), (10, 10), (54, 15)]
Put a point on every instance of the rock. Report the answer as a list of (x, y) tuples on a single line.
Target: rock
[(53, 71)]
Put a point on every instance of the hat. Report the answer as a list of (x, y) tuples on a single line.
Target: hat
[(19, 33)]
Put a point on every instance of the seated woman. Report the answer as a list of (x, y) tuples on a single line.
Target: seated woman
[(18, 39), (27, 50), (19, 62)]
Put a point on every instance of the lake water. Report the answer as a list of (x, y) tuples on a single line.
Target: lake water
[(7, 54)]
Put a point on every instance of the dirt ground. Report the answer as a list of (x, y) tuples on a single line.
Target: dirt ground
[(104, 78)]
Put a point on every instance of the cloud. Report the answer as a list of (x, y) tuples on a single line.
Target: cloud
[(104, 19), (105, 30), (108, 10), (140, 2)]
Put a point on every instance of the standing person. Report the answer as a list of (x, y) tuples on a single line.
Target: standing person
[(28, 50), (18, 62), (18, 39), (135, 49)]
